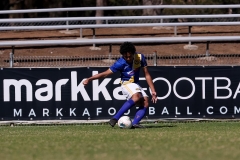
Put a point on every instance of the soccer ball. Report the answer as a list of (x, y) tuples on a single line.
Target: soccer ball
[(125, 122)]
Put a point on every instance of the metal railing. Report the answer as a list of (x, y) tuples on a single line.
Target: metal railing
[(102, 60), (89, 22), (119, 25), (153, 59), (111, 41), (142, 40), (119, 8)]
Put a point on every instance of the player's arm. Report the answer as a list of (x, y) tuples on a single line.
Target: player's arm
[(150, 83), (98, 76)]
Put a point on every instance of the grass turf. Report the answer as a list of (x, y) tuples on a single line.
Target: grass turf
[(166, 141)]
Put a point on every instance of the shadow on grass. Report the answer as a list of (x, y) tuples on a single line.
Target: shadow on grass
[(157, 126)]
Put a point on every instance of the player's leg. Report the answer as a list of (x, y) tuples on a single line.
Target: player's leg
[(143, 105), (128, 104), (133, 95)]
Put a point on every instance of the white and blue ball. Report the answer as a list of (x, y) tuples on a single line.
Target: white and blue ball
[(125, 122)]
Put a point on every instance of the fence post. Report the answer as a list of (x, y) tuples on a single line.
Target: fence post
[(207, 49), (67, 22), (155, 58), (11, 58), (93, 29), (110, 52), (81, 35), (175, 31), (189, 34)]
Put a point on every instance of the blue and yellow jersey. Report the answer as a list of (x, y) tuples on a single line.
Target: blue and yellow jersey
[(129, 72)]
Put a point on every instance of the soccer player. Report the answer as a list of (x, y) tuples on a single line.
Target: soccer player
[(129, 66)]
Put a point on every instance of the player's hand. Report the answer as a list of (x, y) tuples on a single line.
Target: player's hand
[(154, 97), (85, 82)]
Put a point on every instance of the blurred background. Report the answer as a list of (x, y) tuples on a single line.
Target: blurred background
[(37, 4)]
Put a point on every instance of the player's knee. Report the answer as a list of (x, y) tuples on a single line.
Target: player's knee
[(137, 97), (140, 102), (146, 103)]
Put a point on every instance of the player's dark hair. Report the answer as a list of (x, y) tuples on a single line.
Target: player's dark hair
[(127, 47)]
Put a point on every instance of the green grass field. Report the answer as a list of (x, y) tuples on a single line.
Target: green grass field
[(165, 141)]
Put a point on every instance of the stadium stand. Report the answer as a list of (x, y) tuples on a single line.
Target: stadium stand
[(116, 22)]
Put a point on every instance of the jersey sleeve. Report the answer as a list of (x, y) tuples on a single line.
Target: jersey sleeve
[(117, 66), (143, 61)]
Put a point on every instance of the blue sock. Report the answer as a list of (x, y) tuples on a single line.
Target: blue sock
[(126, 106), (139, 115)]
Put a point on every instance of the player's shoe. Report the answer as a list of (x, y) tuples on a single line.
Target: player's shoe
[(138, 126), (112, 122)]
